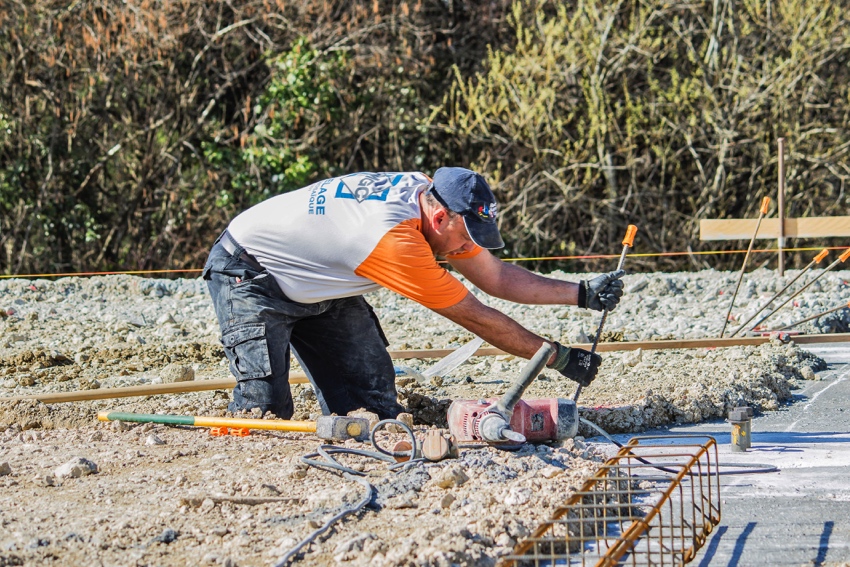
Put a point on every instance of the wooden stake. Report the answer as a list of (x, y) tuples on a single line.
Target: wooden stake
[(781, 205)]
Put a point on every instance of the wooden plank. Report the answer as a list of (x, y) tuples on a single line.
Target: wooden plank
[(742, 229), (226, 383), (716, 343), (141, 390), (440, 352), (683, 343)]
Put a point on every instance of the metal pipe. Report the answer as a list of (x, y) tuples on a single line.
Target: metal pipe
[(840, 259), (817, 259), (532, 369), (628, 242), (762, 211), (807, 319), (495, 422)]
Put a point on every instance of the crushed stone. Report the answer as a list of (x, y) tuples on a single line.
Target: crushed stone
[(170, 495)]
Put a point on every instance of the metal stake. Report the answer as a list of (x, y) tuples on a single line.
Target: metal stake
[(763, 211), (817, 259), (781, 203), (807, 319), (841, 258)]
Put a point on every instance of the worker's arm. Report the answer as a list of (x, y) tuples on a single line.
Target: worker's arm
[(510, 282), (503, 332), (493, 326), (507, 281)]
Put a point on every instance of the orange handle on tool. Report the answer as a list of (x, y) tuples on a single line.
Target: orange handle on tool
[(765, 203), (844, 256), (629, 240), (821, 256)]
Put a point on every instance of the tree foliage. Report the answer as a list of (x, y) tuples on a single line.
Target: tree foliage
[(131, 132)]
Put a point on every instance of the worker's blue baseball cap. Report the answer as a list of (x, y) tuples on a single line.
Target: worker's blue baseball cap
[(467, 193)]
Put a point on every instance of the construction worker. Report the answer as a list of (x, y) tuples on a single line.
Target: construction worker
[(292, 270)]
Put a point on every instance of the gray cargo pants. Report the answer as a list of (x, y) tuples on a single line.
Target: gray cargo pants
[(339, 342)]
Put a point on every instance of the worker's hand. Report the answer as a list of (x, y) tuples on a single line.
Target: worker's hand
[(602, 292), (576, 364)]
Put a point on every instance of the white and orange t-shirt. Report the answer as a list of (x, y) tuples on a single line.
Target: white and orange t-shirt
[(347, 236)]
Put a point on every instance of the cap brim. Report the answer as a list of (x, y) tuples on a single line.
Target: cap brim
[(484, 234)]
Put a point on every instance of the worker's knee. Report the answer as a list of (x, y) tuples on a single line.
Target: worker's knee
[(267, 394)]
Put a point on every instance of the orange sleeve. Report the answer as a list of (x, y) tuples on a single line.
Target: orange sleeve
[(403, 262)]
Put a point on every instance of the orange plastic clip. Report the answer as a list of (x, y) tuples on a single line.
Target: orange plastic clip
[(844, 256), (765, 203), (629, 240), (218, 431), (240, 431), (823, 254)]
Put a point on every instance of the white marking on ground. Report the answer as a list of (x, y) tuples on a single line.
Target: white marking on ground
[(840, 379)]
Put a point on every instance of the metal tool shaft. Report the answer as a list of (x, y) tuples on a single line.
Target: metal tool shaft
[(532, 369), (202, 421), (627, 243)]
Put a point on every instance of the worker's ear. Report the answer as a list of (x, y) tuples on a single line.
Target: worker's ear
[(440, 219)]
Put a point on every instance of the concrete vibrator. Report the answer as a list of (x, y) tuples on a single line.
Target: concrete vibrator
[(510, 420)]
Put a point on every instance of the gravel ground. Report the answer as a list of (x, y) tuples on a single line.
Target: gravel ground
[(77, 491)]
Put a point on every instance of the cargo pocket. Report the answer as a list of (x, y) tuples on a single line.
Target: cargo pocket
[(246, 348)]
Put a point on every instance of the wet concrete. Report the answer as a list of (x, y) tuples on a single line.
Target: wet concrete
[(799, 515)]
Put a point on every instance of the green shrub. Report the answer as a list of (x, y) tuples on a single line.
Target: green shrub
[(603, 114), (291, 118)]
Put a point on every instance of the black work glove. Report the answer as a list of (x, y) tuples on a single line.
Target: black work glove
[(602, 292), (576, 364)]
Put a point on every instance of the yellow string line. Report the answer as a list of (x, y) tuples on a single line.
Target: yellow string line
[(537, 259), (75, 274)]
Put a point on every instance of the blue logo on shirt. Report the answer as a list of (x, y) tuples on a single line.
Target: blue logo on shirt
[(365, 187), (316, 204)]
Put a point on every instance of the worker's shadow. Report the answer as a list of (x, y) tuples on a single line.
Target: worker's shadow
[(737, 552)]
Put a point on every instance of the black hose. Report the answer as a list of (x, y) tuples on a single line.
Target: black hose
[(330, 464), (370, 491), (755, 468), (413, 451)]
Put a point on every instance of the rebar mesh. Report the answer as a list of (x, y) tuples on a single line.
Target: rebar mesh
[(653, 503)]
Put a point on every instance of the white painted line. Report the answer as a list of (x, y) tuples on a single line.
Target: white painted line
[(840, 379)]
